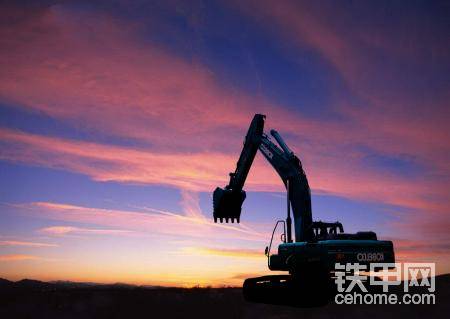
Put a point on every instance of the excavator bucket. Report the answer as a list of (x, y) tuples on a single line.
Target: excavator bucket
[(227, 205)]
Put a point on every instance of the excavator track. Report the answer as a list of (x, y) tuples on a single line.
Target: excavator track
[(284, 290)]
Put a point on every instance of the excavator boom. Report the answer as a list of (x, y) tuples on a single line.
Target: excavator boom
[(228, 201)]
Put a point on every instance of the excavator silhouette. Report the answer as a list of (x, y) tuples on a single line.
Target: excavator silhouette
[(310, 258)]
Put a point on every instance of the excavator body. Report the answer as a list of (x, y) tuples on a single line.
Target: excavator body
[(310, 256), (330, 252)]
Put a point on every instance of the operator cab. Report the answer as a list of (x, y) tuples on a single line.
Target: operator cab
[(324, 231), (330, 231)]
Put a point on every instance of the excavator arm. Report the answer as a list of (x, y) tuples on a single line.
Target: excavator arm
[(228, 201)]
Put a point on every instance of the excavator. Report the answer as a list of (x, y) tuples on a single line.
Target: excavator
[(310, 256)]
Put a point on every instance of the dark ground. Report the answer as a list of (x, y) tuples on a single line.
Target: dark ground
[(33, 299)]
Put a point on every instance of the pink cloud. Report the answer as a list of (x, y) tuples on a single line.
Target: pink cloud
[(114, 163), (203, 171), (434, 249), (112, 83)]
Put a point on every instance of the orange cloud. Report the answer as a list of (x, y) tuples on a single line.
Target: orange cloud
[(225, 252), (244, 276), (17, 257)]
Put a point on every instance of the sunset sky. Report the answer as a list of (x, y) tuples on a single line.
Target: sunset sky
[(119, 118)]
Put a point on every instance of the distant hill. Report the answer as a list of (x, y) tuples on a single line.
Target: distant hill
[(37, 284), (32, 284), (62, 299), (5, 283)]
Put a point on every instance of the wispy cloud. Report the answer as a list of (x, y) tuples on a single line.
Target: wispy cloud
[(190, 204), (65, 230), (407, 250), (147, 222), (389, 116), (25, 243)]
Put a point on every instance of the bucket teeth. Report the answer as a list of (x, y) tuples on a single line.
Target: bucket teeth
[(227, 204)]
